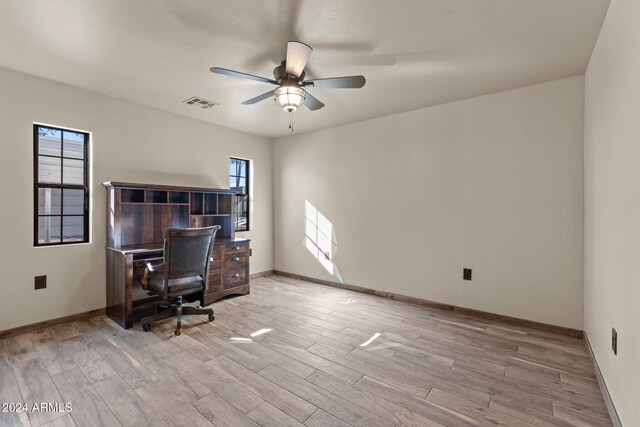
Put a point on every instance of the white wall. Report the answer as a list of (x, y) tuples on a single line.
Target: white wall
[(130, 143), (493, 183), (612, 222)]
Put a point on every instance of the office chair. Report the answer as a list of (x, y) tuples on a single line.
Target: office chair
[(184, 271)]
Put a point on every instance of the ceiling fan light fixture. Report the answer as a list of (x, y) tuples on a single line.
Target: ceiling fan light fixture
[(290, 97)]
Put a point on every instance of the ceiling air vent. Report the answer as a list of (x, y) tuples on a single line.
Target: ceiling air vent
[(200, 102)]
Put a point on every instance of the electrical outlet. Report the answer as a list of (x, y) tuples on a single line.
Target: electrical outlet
[(466, 273), (614, 341), (40, 282)]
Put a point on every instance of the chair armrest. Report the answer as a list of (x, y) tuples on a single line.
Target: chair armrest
[(151, 269), (154, 267)]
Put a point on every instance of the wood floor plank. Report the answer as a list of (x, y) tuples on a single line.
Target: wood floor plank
[(88, 408), (195, 347), (20, 348), (267, 415), (281, 398), (220, 413), (319, 397), (322, 419), (331, 339), (230, 350), (36, 387), (187, 387), (267, 354), (527, 412), (248, 327), (161, 398), (239, 397), (124, 403), (432, 375), (343, 372), (122, 362), (471, 409), (64, 421), (388, 373), (10, 393), (65, 331), (413, 403), (579, 418), (371, 402)]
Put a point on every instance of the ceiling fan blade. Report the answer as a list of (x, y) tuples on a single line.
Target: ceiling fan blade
[(238, 74), (312, 103), (297, 57), (350, 82), (258, 98)]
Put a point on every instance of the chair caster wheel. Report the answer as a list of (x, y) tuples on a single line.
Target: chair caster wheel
[(146, 328), (211, 317), (177, 332)]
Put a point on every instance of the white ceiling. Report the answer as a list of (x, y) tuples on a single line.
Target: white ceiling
[(414, 53)]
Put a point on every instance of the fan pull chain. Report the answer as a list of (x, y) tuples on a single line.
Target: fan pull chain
[(291, 120)]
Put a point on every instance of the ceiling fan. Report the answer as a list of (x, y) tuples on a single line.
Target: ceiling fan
[(289, 76)]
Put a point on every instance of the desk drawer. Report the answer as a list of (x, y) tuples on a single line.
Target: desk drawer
[(236, 248), (216, 254), (236, 260), (234, 277)]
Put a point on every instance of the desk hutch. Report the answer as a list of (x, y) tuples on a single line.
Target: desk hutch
[(137, 215)]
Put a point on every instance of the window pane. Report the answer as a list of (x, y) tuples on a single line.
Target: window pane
[(49, 141), (48, 229), (238, 167), (73, 171), (73, 202), (241, 213), (48, 201), (238, 170), (73, 228), (73, 145), (239, 185), (232, 167), (49, 170)]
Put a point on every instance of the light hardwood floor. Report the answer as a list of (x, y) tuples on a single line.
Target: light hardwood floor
[(290, 354)]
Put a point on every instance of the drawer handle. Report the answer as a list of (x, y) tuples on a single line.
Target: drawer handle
[(236, 248), (235, 276), (236, 258)]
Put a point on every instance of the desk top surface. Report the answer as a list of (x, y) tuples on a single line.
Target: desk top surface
[(159, 246)]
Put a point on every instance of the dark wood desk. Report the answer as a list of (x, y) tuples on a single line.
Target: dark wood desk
[(137, 215), (126, 300)]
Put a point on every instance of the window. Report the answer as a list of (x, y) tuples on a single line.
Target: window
[(239, 182), (61, 186)]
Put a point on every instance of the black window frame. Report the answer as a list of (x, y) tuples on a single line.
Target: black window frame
[(37, 185), (239, 196)]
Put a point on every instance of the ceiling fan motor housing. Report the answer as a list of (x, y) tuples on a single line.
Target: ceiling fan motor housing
[(280, 74)]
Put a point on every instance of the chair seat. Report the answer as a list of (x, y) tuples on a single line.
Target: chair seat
[(177, 287)]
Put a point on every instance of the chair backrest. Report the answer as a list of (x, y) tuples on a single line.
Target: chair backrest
[(187, 252)]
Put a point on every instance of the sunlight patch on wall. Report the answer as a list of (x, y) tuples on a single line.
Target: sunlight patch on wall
[(318, 232)]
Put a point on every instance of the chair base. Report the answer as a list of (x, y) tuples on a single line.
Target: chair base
[(177, 309)]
